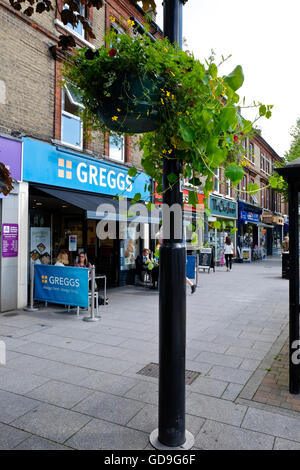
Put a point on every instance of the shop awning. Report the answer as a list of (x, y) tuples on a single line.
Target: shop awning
[(98, 206)]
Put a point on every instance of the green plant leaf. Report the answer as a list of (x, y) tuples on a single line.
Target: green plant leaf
[(217, 224), (252, 188), (235, 79), (235, 173), (132, 172), (186, 132), (172, 177)]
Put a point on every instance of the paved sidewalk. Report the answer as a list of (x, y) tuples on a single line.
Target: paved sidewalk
[(69, 384)]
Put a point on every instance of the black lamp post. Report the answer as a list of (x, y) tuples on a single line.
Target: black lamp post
[(291, 173), (172, 300)]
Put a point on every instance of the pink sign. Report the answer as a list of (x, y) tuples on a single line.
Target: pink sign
[(10, 235)]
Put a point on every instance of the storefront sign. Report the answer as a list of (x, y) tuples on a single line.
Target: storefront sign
[(10, 236), (205, 256), (267, 217), (11, 156), (249, 216), (278, 220), (46, 164), (222, 207), (61, 285), (185, 197)]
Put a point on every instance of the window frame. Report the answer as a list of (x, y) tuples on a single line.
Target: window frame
[(122, 150), (72, 116)]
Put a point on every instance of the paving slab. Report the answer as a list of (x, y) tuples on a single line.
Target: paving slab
[(285, 444), (109, 407), (10, 437), (215, 409), (229, 374), (38, 443), (101, 435), (60, 394), (218, 436), (17, 381), (208, 386), (219, 359), (52, 422), (109, 383), (12, 406), (272, 423)]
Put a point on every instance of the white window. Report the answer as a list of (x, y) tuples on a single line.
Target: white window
[(251, 153), (116, 148), (217, 180), (79, 28), (71, 123), (228, 188)]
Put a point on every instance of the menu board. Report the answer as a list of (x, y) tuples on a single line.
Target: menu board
[(40, 246), (10, 236), (205, 257)]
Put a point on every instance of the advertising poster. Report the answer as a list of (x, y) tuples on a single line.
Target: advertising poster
[(72, 242), (128, 249), (40, 247), (62, 285), (10, 235)]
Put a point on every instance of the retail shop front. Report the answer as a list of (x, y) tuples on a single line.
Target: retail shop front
[(278, 222), (251, 232), (13, 229), (266, 231), (224, 211), (72, 199)]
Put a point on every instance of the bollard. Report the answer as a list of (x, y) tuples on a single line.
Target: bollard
[(92, 317), (31, 307)]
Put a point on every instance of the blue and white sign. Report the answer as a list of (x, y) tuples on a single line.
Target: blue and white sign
[(249, 216), (61, 285), (190, 266), (47, 164)]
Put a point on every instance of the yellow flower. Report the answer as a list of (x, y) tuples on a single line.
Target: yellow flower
[(114, 118), (164, 151), (165, 49), (168, 93), (172, 73), (187, 112), (130, 22), (112, 19), (244, 163), (162, 101), (147, 112), (170, 151), (173, 97), (118, 109), (138, 116)]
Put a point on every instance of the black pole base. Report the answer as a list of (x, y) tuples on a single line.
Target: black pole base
[(187, 445), (172, 339)]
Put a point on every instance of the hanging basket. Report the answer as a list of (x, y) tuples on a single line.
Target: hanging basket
[(134, 102)]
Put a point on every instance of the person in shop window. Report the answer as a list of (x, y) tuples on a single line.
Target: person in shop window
[(62, 258), (228, 252), (83, 261)]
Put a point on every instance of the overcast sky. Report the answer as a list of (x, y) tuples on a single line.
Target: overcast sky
[(262, 36)]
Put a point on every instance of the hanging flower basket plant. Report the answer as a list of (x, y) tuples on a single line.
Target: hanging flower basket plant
[(183, 108)]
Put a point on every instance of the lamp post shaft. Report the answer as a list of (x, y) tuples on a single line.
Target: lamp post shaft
[(172, 279)]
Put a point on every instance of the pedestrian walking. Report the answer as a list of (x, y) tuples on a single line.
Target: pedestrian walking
[(228, 252), (193, 286)]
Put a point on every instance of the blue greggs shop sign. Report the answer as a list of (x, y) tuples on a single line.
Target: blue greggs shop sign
[(47, 164), (61, 285), (222, 207)]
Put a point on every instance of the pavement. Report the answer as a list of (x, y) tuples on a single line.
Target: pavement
[(71, 384)]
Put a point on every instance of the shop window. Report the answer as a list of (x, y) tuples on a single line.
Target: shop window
[(262, 162), (78, 29), (217, 180), (116, 148), (71, 123)]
